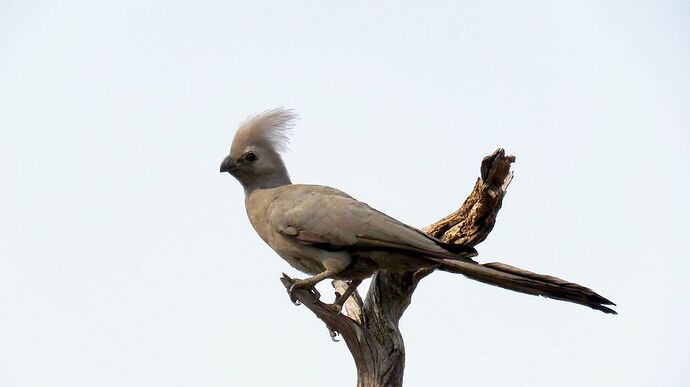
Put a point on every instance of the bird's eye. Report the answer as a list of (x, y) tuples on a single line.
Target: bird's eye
[(250, 156)]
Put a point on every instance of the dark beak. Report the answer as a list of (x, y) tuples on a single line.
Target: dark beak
[(228, 165)]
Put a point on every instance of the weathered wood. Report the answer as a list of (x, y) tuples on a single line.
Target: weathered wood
[(473, 221), (370, 328)]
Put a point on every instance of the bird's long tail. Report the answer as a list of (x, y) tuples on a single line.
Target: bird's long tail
[(523, 281)]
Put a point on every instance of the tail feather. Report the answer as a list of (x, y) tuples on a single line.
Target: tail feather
[(523, 281)]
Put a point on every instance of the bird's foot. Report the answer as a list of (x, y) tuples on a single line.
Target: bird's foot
[(303, 284)]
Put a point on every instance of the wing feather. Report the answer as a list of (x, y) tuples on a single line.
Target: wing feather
[(332, 219)]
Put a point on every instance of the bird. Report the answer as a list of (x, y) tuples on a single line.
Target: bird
[(326, 233)]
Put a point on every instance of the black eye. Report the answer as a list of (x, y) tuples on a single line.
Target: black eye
[(250, 156)]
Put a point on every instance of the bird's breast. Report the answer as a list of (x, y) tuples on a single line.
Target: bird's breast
[(301, 257)]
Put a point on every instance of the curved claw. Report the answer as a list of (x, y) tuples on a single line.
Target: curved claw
[(334, 334), (291, 289)]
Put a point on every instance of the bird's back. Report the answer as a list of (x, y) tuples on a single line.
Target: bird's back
[(328, 218)]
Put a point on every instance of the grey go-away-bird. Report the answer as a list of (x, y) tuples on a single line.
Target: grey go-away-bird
[(326, 233)]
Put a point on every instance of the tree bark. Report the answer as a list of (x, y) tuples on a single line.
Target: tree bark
[(370, 328)]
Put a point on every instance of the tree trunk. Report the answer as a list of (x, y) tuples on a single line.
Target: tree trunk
[(370, 328)]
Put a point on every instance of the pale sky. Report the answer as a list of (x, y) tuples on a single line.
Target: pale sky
[(126, 259)]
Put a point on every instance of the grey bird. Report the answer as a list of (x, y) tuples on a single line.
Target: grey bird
[(326, 233)]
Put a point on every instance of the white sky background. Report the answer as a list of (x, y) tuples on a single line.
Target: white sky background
[(126, 259)]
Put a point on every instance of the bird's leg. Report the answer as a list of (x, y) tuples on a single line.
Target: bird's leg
[(309, 283), (337, 306), (332, 264)]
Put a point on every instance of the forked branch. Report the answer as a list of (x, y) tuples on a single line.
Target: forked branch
[(370, 328)]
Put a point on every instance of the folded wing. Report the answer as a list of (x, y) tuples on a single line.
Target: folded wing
[(330, 219)]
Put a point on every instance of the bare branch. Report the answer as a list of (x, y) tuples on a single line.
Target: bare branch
[(474, 220), (370, 329)]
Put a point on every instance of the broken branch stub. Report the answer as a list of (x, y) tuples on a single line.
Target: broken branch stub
[(370, 328)]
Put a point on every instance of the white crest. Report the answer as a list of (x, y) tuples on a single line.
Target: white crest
[(267, 129)]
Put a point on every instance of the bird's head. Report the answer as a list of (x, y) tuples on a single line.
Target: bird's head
[(254, 157)]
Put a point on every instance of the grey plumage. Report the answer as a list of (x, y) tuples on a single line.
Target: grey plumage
[(326, 233)]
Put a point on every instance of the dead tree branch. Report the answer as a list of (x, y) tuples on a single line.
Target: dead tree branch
[(370, 328)]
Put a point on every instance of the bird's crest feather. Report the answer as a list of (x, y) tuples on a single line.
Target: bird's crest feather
[(269, 129)]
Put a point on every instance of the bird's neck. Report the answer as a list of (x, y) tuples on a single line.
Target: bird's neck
[(274, 180)]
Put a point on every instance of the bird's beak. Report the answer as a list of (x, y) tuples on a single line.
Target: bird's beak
[(228, 165)]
